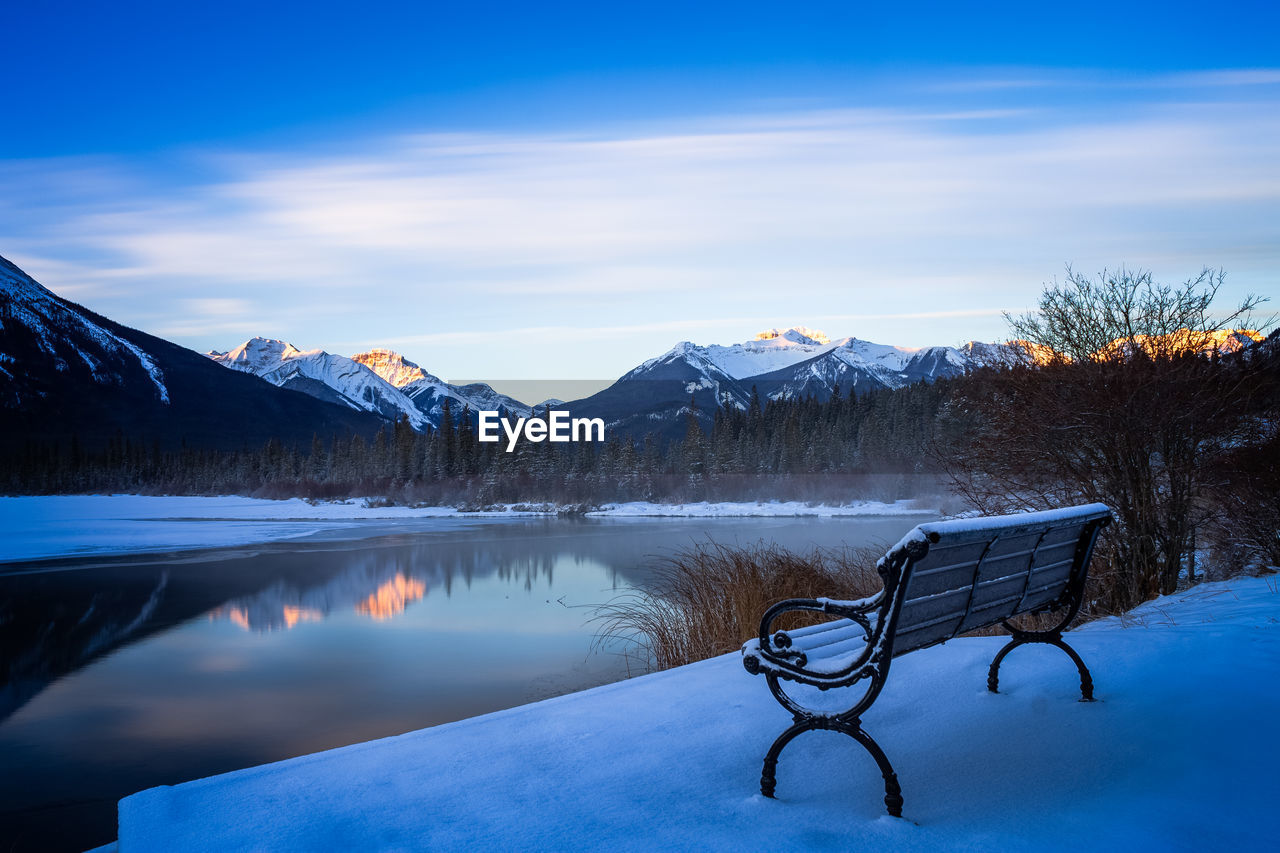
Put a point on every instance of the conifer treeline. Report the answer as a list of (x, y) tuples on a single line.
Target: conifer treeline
[(790, 449)]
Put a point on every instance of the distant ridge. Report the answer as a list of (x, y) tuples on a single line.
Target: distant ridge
[(777, 363)]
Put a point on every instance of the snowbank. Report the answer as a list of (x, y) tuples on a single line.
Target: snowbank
[(1179, 753), (47, 527)]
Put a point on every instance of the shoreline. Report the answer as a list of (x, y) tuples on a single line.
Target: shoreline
[(51, 529)]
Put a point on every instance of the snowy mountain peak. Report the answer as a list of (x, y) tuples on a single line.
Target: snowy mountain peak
[(256, 355), (984, 354), (1233, 340), (378, 380), (392, 367), (332, 378), (796, 335), (770, 350)]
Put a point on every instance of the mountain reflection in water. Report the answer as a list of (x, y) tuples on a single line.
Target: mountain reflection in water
[(130, 673)]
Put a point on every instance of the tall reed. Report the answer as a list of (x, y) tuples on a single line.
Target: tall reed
[(707, 599)]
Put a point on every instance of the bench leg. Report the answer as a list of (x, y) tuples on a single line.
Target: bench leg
[(892, 790), (1086, 680)]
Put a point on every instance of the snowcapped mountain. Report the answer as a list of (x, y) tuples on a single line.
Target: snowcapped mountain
[(380, 380), (1235, 340), (332, 378), (697, 369), (770, 350), (798, 361), (776, 351), (478, 396), (981, 354), (861, 366), (795, 361), (66, 372), (897, 366), (661, 388), (429, 392), (656, 395)]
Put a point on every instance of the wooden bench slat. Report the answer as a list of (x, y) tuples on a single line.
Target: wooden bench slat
[(925, 635), (937, 596), (816, 640), (843, 647), (796, 633), (963, 564), (1002, 578)]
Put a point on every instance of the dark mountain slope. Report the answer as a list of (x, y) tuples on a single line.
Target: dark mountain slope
[(66, 371)]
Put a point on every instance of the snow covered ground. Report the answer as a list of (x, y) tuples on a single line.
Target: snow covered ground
[(46, 527), (1179, 754)]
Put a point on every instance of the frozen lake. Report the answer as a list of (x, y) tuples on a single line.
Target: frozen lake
[(121, 673)]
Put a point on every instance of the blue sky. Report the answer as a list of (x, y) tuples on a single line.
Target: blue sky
[(562, 190)]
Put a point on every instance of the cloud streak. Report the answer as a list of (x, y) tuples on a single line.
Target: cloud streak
[(904, 222)]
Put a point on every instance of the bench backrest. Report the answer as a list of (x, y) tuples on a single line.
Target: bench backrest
[(960, 575)]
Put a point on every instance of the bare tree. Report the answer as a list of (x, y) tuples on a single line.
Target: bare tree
[(1248, 487), (1125, 393)]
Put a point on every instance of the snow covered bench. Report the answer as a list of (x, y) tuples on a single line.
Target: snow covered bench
[(942, 579)]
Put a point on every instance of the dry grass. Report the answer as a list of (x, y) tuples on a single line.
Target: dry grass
[(708, 599)]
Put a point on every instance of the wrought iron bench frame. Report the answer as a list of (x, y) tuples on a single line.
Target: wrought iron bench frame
[(776, 655)]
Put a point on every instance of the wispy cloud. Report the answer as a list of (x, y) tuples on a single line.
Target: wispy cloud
[(1233, 77), (670, 328), (903, 223)]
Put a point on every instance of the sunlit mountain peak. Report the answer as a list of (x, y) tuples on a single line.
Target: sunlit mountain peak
[(1038, 354), (795, 334), (392, 366), (1170, 344), (1232, 340), (332, 378)]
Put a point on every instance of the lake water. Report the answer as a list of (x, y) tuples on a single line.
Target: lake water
[(121, 674)]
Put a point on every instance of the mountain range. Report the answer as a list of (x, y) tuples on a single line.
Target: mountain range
[(378, 381), (68, 371), (654, 396)]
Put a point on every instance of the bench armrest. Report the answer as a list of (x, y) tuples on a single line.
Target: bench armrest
[(777, 645)]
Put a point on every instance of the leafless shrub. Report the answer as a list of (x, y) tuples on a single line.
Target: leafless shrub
[(1129, 395), (1246, 531)]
